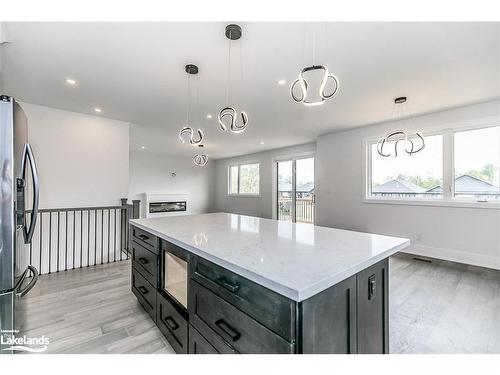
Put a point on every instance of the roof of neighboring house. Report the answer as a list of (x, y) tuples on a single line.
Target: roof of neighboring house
[(470, 185), (398, 186), (308, 187)]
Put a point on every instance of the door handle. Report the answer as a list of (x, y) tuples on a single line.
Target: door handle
[(228, 330), (28, 156), (171, 323), (143, 237), (22, 292), (372, 287), (34, 278), (233, 288), (143, 261), (143, 290)]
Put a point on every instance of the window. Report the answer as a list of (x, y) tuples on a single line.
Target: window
[(244, 179), (477, 157), (457, 167), (408, 176)]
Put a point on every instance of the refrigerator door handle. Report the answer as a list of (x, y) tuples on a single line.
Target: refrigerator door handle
[(28, 156), (22, 292), (34, 278)]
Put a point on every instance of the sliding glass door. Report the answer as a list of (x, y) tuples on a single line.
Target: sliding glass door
[(295, 190)]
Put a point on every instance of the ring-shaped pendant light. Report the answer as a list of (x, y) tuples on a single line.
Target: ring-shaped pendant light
[(187, 133), (234, 125), (228, 116), (304, 86), (190, 132), (397, 137), (200, 159)]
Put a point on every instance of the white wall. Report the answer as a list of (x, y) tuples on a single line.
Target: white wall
[(261, 206), (82, 160), (469, 235), (150, 173), (3, 39)]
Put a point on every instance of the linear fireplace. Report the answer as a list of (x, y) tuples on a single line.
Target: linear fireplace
[(156, 205)]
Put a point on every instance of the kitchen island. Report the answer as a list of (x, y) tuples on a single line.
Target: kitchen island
[(226, 283)]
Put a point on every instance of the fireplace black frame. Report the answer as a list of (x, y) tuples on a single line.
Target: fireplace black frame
[(167, 206)]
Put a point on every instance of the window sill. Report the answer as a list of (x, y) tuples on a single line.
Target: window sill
[(244, 195), (436, 203)]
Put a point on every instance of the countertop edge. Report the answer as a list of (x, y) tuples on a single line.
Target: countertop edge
[(326, 283), (296, 295)]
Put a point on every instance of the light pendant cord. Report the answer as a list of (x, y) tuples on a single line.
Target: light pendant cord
[(188, 97), (228, 73), (314, 46), (198, 99)]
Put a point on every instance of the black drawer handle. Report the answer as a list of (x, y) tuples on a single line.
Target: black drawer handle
[(372, 287), (143, 290), (143, 260), (143, 237), (233, 288), (171, 323), (228, 330)]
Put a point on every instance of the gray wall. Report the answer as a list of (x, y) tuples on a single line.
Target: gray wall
[(469, 235), (151, 173), (262, 205)]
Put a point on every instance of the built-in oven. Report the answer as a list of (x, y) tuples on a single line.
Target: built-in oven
[(174, 273)]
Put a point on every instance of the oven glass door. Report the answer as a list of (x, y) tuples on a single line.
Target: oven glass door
[(175, 277)]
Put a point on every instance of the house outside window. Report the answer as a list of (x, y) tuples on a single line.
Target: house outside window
[(244, 179), (460, 165)]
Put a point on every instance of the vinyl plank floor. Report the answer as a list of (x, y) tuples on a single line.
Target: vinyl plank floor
[(436, 307), (90, 310), (443, 307)]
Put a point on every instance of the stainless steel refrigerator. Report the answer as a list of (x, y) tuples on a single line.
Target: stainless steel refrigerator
[(17, 172)]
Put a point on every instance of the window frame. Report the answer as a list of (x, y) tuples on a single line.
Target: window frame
[(448, 199), (238, 194)]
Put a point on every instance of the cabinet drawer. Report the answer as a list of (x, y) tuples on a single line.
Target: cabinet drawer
[(146, 239), (237, 329), (144, 291), (271, 309), (198, 344), (172, 324), (146, 261)]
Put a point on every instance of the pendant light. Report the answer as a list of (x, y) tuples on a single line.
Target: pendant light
[(228, 116), (200, 159), (302, 96), (188, 130), (411, 144)]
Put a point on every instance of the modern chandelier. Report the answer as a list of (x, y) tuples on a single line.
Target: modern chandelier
[(228, 116), (187, 133), (411, 144), (303, 96), (200, 159), (190, 132), (304, 87)]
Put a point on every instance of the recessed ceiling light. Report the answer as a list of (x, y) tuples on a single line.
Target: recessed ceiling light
[(262, 142), (70, 81), (143, 147), (281, 82), (98, 110), (209, 116)]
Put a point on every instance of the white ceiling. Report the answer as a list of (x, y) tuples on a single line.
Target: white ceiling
[(135, 72)]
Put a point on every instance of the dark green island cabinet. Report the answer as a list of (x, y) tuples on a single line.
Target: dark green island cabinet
[(210, 309)]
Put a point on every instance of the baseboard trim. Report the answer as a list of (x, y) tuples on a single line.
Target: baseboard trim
[(474, 259)]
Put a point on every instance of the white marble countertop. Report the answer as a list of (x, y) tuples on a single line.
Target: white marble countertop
[(295, 260)]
